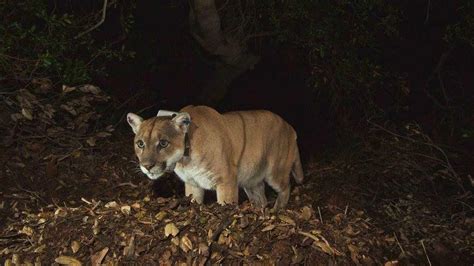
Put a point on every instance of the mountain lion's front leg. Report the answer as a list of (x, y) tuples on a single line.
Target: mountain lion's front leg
[(196, 193), (227, 193)]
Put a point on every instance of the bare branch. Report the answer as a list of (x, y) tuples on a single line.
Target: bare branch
[(104, 12), (428, 12)]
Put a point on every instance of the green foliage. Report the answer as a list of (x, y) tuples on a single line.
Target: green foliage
[(462, 32), (351, 52), (343, 41), (38, 41)]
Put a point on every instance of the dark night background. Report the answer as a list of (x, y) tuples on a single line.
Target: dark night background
[(170, 68), (380, 92)]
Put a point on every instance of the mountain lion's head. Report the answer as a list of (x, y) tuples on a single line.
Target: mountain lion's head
[(159, 142)]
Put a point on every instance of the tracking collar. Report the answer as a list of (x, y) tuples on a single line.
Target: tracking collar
[(187, 145)]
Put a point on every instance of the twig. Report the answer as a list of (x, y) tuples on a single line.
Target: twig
[(104, 12), (261, 34), (441, 62), (345, 211), (308, 235), (320, 216), (127, 184), (223, 6), (212, 245), (86, 201), (424, 249), (430, 144), (16, 58), (135, 96), (428, 12), (222, 226), (318, 239), (437, 72), (398, 243)]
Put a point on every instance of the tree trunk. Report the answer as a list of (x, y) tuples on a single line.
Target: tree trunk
[(233, 60)]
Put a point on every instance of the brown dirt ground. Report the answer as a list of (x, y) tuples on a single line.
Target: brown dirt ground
[(91, 205)]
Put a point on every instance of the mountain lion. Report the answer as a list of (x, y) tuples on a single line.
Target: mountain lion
[(213, 151)]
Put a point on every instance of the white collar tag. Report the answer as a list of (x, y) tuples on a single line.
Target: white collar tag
[(166, 113)]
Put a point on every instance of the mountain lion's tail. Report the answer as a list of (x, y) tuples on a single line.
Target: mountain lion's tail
[(297, 169)]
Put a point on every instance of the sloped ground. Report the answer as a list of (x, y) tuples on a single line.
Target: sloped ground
[(71, 193)]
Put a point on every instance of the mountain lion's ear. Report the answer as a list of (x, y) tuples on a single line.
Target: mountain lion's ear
[(182, 121), (134, 121)]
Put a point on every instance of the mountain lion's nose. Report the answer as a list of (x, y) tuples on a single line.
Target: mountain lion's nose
[(148, 166)]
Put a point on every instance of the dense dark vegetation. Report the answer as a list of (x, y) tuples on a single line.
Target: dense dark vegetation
[(380, 92), (344, 61)]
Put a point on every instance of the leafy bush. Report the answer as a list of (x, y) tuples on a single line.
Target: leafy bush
[(343, 40), (462, 32), (38, 41)]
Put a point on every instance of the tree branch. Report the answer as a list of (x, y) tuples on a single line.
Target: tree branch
[(427, 12), (437, 73), (104, 12)]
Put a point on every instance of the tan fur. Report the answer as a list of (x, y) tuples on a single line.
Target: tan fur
[(227, 151)]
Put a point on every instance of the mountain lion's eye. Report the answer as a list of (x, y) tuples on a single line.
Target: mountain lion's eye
[(163, 143), (140, 144)]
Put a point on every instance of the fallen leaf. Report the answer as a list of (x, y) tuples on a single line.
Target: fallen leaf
[(268, 228), (26, 113), (111, 204), (67, 89), (350, 231), (160, 216), (322, 243), (129, 250), (44, 84), (69, 109), (66, 260), (27, 230), (95, 227), (90, 88), (125, 209), (91, 141), (186, 244), (297, 257), (171, 229), (306, 213), (75, 246), (98, 257), (286, 219), (40, 249), (165, 258), (222, 240), (203, 249), (103, 134), (60, 212), (16, 259), (354, 253), (175, 241), (338, 218), (325, 247)]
